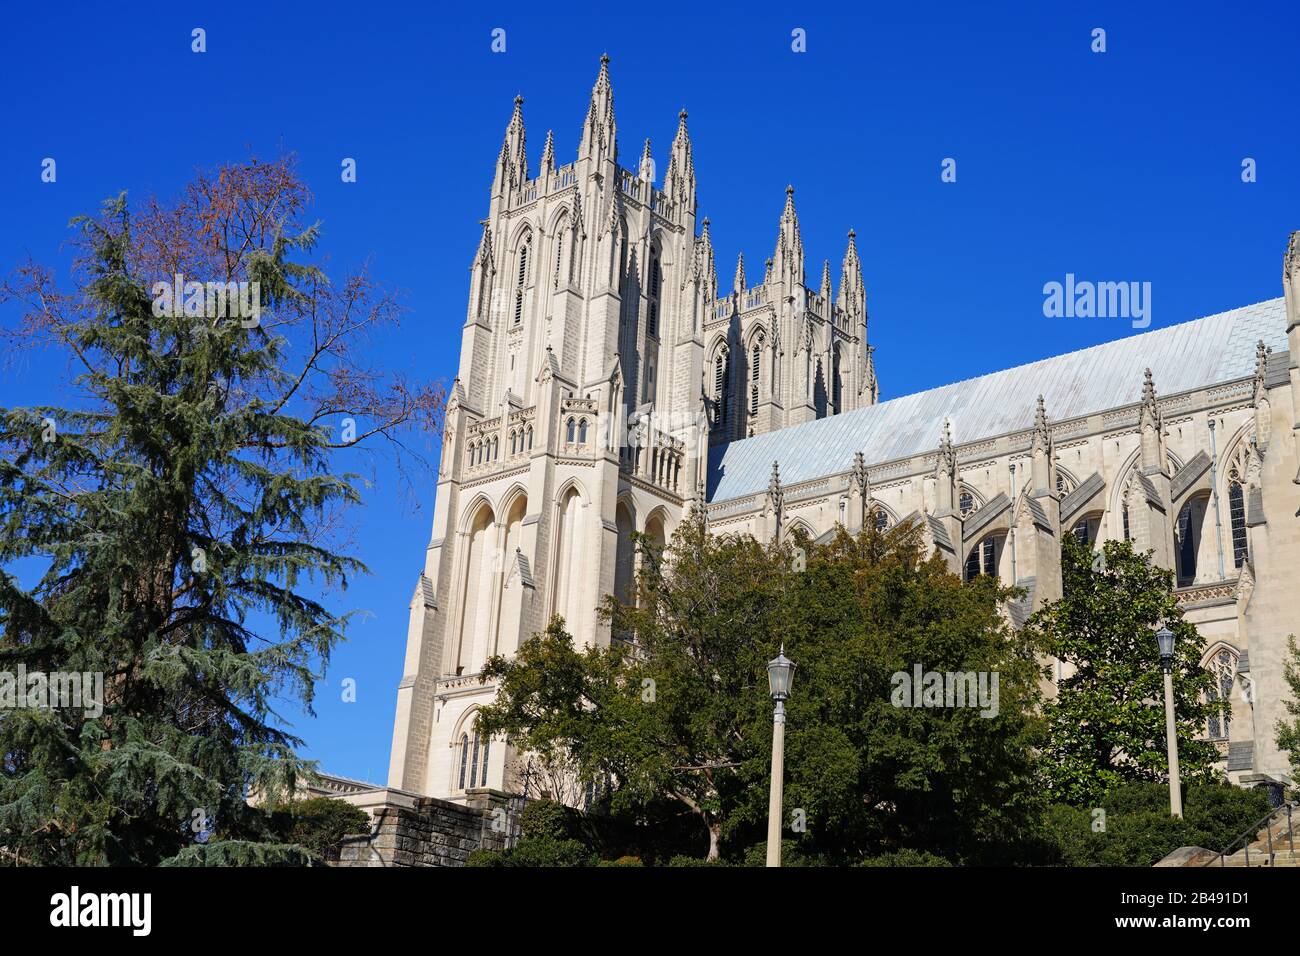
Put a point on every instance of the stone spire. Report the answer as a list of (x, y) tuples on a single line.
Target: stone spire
[(704, 262), (614, 219), (945, 472), (646, 170), (775, 496), (861, 480), (1291, 290), (484, 254), (738, 283), (1041, 452), (679, 183), (853, 297), (576, 220), (773, 509), (859, 504), (788, 257), (515, 141), (609, 235), (481, 272), (826, 283), (869, 390), (548, 153), (599, 132), (1259, 398), (1262, 353), (1151, 427)]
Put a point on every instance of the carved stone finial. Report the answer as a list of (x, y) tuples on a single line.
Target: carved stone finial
[(947, 453), (861, 479), (1042, 434)]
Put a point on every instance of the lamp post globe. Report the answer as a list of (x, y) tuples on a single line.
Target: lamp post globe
[(780, 675)]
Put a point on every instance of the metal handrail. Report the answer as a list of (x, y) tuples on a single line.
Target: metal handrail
[(1253, 832)]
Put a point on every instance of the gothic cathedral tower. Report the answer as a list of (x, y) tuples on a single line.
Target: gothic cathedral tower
[(595, 369)]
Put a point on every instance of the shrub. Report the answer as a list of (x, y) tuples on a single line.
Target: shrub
[(1139, 830), (318, 824), (905, 857)]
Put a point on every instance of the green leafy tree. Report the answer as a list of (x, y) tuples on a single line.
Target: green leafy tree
[(1106, 724), (182, 517), (1288, 732), (684, 715), (874, 777)]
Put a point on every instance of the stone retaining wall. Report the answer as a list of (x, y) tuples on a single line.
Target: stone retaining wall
[(434, 832)]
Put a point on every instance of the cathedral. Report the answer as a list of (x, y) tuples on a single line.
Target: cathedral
[(607, 385)]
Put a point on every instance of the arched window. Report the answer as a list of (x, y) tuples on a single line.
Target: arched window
[(572, 431), (1124, 511), (882, 520), (1085, 531), (965, 502), (835, 379), (720, 385), (522, 281), (582, 431), (1237, 512), (1186, 541), (474, 752), (1224, 668), (561, 239), (473, 767), (529, 434), (983, 558), (656, 285)]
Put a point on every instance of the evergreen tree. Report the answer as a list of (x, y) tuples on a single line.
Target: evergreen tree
[(181, 513), (1106, 724)]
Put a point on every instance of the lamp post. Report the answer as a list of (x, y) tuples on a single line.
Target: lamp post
[(1165, 638), (780, 673)]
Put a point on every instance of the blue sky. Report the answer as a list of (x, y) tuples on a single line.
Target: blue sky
[(1119, 166)]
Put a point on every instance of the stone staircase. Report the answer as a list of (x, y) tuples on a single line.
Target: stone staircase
[(1285, 846)]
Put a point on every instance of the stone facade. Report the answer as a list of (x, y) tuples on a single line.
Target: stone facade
[(606, 386)]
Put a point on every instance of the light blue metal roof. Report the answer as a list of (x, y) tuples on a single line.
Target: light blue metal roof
[(1191, 355)]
